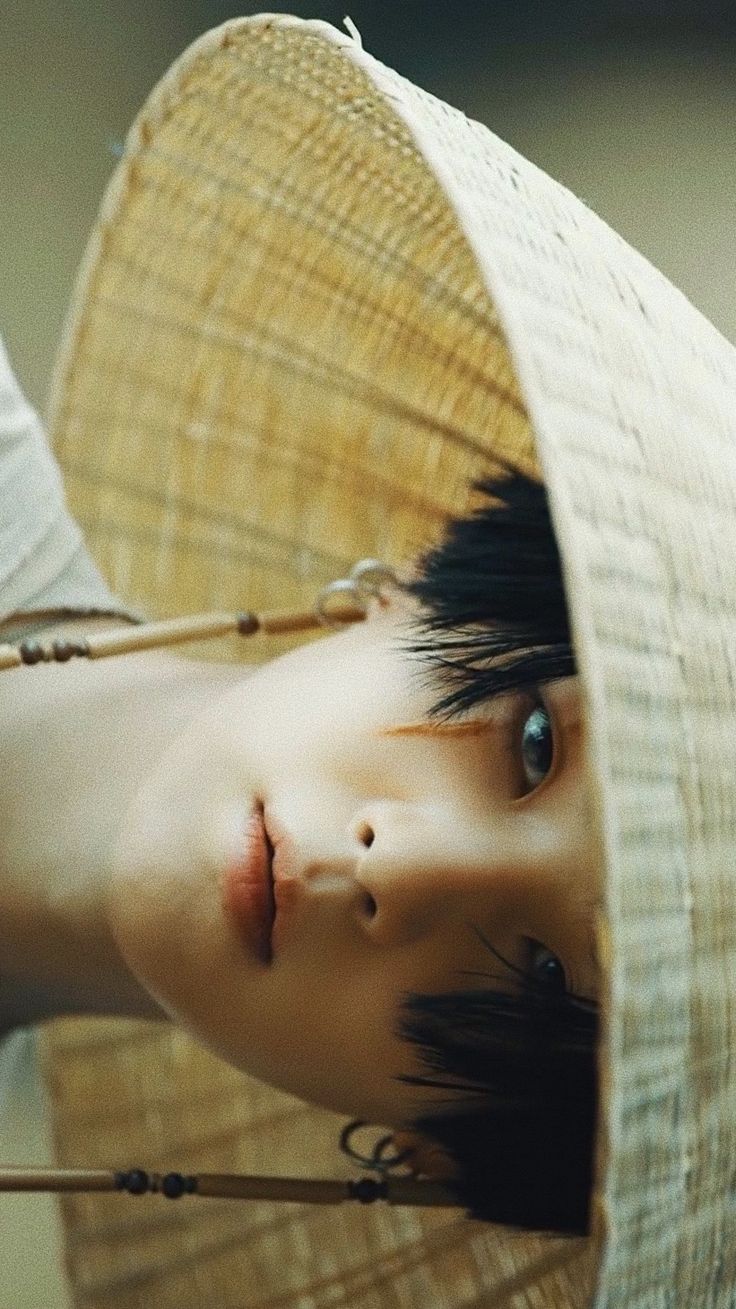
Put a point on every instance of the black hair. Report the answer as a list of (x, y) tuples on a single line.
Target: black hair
[(493, 620)]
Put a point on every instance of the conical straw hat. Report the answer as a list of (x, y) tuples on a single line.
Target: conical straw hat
[(316, 303)]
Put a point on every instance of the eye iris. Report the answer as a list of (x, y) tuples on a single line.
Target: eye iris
[(537, 745), (547, 970)]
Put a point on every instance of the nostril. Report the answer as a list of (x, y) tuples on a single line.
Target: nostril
[(369, 905), (366, 835)]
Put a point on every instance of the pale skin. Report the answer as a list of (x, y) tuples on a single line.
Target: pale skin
[(127, 783)]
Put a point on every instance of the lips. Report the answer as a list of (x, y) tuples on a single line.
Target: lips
[(247, 889)]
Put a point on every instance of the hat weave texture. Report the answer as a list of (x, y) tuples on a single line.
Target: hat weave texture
[(317, 303)]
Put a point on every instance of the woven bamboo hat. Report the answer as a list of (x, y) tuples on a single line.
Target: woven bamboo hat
[(316, 303)]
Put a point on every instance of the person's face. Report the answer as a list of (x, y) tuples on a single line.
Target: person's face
[(395, 838)]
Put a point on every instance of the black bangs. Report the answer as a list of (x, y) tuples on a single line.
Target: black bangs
[(523, 1133), (494, 617), (499, 1041)]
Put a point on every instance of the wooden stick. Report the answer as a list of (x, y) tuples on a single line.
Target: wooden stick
[(62, 1179), (169, 631), (278, 621), (172, 631), (294, 1190), (399, 1190), (9, 656)]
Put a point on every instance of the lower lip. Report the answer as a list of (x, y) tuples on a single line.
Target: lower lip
[(247, 893)]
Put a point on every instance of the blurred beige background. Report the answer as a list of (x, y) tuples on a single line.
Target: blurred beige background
[(635, 111)]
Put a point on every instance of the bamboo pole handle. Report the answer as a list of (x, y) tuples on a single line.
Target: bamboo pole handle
[(301, 621), (171, 631), (9, 656), (168, 631), (232, 1186), (58, 1179)]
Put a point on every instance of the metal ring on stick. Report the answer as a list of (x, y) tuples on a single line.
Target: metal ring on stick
[(371, 574), (342, 586)]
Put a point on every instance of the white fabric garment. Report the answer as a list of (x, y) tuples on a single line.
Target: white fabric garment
[(43, 563), (43, 560)]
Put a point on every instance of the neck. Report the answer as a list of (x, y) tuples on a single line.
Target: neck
[(75, 740)]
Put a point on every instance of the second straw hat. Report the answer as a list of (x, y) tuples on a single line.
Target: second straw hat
[(317, 302)]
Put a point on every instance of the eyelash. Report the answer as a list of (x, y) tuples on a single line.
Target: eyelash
[(560, 982)]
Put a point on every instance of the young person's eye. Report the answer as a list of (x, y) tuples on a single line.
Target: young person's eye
[(545, 969), (536, 746)]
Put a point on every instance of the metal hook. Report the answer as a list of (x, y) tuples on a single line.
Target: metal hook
[(366, 579), (374, 1160), (371, 574), (340, 587)]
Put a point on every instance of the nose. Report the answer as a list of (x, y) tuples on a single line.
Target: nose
[(418, 866), (424, 866)]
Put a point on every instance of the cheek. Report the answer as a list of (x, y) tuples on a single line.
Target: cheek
[(326, 1042), (307, 701)]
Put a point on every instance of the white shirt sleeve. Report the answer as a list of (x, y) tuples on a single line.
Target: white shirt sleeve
[(43, 558)]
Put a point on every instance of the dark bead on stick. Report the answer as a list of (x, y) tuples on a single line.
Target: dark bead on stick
[(247, 624), (135, 1182), (63, 650), (174, 1185), (366, 1190), (32, 652)]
